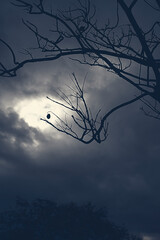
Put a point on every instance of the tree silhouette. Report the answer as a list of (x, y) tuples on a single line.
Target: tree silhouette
[(46, 220), (127, 50)]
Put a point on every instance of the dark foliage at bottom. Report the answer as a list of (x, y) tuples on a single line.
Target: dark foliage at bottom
[(46, 220)]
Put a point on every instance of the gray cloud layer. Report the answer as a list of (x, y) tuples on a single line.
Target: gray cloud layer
[(121, 174)]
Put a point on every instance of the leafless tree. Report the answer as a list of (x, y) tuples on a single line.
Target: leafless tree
[(119, 49)]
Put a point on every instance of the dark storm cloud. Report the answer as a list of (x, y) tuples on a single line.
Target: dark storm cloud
[(121, 174), (15, 134), (11, 125)]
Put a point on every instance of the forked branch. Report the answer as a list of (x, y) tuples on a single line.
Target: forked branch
[(81, 125), (127, 50)]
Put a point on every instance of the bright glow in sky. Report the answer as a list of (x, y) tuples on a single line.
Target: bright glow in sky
[(147, 238), (31, 110)]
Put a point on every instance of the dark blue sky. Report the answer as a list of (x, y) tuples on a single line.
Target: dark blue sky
[(121, 174)]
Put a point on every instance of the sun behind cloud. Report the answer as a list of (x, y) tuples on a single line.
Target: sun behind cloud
[(31, 110)]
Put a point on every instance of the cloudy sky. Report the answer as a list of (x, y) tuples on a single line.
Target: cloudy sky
[(121, 174)]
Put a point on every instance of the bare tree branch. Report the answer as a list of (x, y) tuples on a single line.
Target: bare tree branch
[(87, 128), (118, 48)]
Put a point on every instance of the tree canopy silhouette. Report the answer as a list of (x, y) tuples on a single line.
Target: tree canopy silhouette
[(127, 50), (46, 220)]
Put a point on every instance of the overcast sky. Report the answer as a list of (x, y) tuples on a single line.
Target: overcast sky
[(121, 174)]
